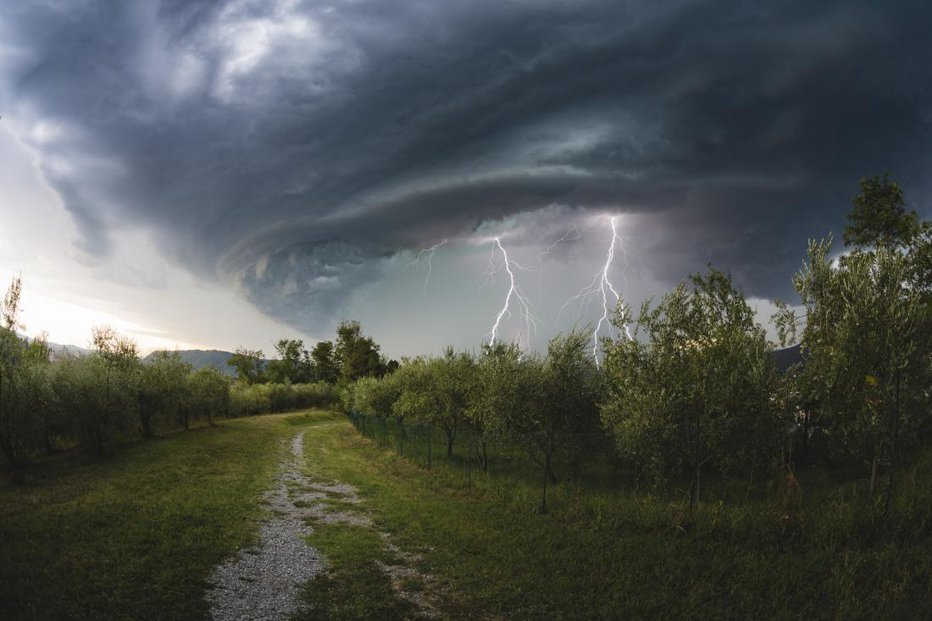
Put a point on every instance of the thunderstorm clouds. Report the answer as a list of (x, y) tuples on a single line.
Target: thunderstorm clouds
[(300, 154)]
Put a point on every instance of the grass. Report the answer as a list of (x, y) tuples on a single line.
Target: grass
[(354, 586), (620, 554), (136, 536)]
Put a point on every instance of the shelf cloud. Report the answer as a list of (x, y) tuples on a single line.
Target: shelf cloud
[(290, 148)]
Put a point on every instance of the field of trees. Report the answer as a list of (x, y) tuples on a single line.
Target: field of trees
[(738, 482)]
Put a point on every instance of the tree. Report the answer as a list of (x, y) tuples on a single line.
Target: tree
[(358, 355), (290, 366), (559, 397), (324, 363), (161, 390), (879, 217), (696, 391), (12, 350), (210, 393), (248, 364), (867, 348), (455, 381), (509, 391), (117, 357)]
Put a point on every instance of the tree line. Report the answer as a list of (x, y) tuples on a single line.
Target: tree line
[(696, 389), (49, 403)]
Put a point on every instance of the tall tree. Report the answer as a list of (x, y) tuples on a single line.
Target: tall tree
[(878, 216), (868, 334), (248, 364), (358, 355), (117, 355), (12, 350), (324, 363), (696, 391), (289, 366)]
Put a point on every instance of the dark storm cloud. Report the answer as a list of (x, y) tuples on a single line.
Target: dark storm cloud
[(290, 146)]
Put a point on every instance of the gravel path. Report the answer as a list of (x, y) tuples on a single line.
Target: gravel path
[(265, 582)]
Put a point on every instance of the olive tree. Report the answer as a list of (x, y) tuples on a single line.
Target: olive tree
[(209, 393), (867, 340), (692, 389)]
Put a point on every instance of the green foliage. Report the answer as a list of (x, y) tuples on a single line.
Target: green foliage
[(253, 399), (867, 350), (293, 364), (696, 391), (210, 393), (248, 364), (879, 216), (324, 362), (161, 390), (357, 355)]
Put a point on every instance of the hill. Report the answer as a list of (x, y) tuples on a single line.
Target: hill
[(787, 357), (198, 358)]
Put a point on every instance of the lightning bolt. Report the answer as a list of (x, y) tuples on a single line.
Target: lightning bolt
[(426, 255), (514, 292), (601, 288), (570, 236)]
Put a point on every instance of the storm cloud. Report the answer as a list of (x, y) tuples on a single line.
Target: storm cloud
[(290, 148)]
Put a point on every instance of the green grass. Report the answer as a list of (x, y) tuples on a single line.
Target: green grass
[(136, 536), (619, 554), (354, 586)]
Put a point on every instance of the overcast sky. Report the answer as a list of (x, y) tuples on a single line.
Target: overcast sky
[(215, 174)]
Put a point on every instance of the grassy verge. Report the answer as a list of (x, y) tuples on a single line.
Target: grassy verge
[(354, 585), (621, 554), (135, 537)]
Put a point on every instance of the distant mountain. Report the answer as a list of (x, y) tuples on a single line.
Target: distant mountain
[(68, 350), (59, 351), (198, 358), (785, 358)]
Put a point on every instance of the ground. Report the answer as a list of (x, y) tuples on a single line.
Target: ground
[(155, 531)]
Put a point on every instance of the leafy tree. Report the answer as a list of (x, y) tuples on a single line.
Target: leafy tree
[(879, 217), (210, 393), (510, 391), (12, 350), (558, 399), (161, 390), (455, 381), (324, 363), (290, 366), (358, 355), (115, 359), (696, 391), (248, 364), (868, 344)]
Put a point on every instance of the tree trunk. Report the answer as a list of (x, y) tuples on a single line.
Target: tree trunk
[(469, 460), (429, 434), (896, 439), (401, 437), (875, 465), (697, 466), (146, 422), (450, 436), (547, 473)]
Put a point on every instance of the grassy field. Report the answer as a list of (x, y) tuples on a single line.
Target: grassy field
[(621, 555), (135, 537)]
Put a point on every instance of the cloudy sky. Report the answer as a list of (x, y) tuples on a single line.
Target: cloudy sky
[(224, 173)]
